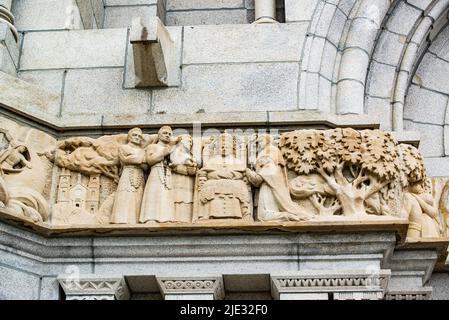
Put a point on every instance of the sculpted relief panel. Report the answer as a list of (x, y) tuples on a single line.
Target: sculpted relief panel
[(137, 178)]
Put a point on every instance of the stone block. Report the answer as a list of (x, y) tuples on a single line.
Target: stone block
[(346, 6), (49, 289), (129, 2), (328, 62), (46, 15), (86, 14), (74, 49), (299, 10), (203, 4), (363, 34), (6, 62), (28, 98), (350, 97), (354, 65), (422, 4), (381, 80), (106, 86), (380, 108), (190, 18), (389, 48), (121, 17), (425, 106), (17, 285), (446, 140), (324, 23), (437, 167), (99, 12), (338, 24), (431, 71), (440, 46), (316, 53), (432, 144), (50, 80), (403, 18), (440, 286), (239, 87), (243, 43), (7, 39)]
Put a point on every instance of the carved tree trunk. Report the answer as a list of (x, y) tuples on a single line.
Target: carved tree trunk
[(351, 200)]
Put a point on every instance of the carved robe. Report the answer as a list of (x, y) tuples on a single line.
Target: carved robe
[(274, 201), (158, 202), (224, 194), (129, 192)]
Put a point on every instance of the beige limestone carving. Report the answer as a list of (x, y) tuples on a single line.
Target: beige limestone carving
[(419, 205), (23, 178), (223, 190), (184, 168), (158, 201), (355, 166), (128, 197), (270, 175)]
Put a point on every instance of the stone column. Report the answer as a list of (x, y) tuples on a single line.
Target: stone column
[(321, 285), (265, 11), (7, 17), (191, 288), (93, 287)]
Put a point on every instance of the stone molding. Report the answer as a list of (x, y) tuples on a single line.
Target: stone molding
[(424, 293), (7, 17), (346, 285), (192, 285), (94, 288)]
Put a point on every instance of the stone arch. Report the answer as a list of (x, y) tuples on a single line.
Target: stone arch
[(408, 30)]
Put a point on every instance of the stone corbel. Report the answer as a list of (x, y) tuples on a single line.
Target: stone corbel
[(94, 288), (155, 54), (191, 288), (318, 285)]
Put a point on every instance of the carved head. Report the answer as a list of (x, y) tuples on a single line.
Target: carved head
[(165, 133), (135, 136), (264, 140)]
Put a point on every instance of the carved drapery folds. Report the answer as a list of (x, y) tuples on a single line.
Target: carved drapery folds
[(136, 178)]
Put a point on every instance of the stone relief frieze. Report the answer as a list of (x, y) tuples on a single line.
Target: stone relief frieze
[(138, 179)]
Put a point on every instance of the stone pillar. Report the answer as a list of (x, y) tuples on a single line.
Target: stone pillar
[(319, 285), (93, 287), (265, 11), (7, 17), (191, 288)]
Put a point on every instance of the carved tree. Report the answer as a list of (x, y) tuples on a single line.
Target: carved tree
[(354, 164)]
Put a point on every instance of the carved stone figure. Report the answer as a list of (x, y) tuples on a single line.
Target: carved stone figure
[(158, 200), (274, 202), (223, 191), (128, 197), (419, 206), (184, 168), (22, 180)]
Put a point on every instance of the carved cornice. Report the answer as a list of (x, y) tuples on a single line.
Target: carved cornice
[(345, 284), (192, 285), (418, 294), (94, 288)]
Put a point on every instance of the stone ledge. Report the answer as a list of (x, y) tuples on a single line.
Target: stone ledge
[(343, 225), (438, 244)]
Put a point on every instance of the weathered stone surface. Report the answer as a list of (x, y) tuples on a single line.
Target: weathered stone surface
[(440, 46), (74, 49), (430, 72), (203, 4), (189, 18), (215, 88), (248, 43), (389, 48), (380, 108), (49, 289), (106, 86), (46, 15), (17, 285), (129, 2), (7, 40), (381, 80), (121, 17), (438, 166), (403, 18), (425, 106), (6, 62), (431, 138), (440, 286), (50, 80), (299, 10)]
